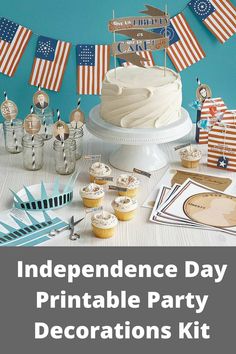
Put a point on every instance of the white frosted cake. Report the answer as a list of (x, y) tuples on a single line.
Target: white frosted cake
[(135, 97)]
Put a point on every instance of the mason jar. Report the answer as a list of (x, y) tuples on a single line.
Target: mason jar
[(77, 135), (13, 134), (64, 160), (32, 152), (47, 122)]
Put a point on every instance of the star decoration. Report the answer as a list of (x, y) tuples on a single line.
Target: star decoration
[(45, 48), (223, 162)]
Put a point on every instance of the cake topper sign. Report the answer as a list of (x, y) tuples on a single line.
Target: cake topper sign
[(157, 19), (141, 40)]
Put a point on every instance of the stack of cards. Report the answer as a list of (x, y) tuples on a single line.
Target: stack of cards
[(195, 205)]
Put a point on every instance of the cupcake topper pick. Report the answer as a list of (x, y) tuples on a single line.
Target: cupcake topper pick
[(77, 118), (61, 133), (203, 91), (32, 126), (41, 99), (9, 111)]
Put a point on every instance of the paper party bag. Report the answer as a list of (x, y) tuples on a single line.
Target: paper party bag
[(222, 147), (210, 109)]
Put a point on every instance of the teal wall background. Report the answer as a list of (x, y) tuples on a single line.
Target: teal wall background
[(85, 21)]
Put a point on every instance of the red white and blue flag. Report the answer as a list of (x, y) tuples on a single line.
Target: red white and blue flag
[(145, 54), (13, 41), (184, 49), (50, 61), (93, 62), (219, 16)]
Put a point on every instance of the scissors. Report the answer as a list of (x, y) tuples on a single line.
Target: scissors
[(74, 235), (71, 227)]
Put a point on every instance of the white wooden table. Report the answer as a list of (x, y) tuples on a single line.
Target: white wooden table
[(137, 232)]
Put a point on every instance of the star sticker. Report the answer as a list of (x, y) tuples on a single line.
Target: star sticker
[(223, 162)]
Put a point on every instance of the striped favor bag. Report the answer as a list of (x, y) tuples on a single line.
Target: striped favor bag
[(222, 147), (209, 106)]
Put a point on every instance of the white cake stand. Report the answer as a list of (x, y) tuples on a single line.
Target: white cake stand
[(139, 147)]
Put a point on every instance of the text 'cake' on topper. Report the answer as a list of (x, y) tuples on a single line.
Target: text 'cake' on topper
[(141, 40)]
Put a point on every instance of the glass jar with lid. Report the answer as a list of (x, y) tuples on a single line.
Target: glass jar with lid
[(65, 156), (32, 152), (13, 134)]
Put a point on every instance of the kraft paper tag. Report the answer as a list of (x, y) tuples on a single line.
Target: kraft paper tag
[(218, 183), (104, 179), (143, 173), (119, 189)]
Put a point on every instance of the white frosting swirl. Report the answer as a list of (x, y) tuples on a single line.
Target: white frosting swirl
[(99, 169), (190, 154), (137, 97), (124, 204), (104, 220), (92, 191), (127, 181)]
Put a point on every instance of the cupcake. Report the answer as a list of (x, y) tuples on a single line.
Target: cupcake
[(99, 169), (190, 157), (130, 182), (92, 195), (125, 208), (104, 224)]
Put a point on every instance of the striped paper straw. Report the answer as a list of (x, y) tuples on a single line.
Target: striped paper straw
[(79, 103), (33, 153), (12, 127), (58, 115), (45, 125), (32, 142), (198, 81), (64, 156)]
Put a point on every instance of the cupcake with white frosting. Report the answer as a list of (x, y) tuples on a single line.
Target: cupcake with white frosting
[(92, 195), (190, 157), (125, 208), (130, 182), (104, 224), (99, 170)]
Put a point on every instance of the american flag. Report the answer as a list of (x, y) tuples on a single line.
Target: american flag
[(13, 41), (145, 54), (50, 61), (219, 16), (93, 62), (184, 49)]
